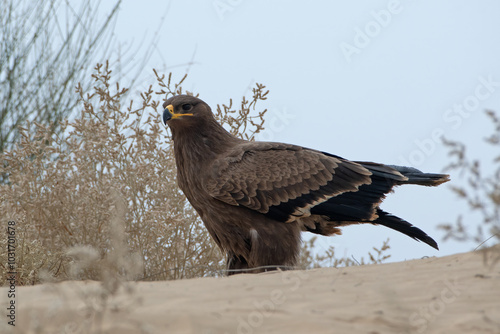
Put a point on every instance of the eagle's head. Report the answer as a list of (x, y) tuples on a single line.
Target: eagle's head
[(184, 111)]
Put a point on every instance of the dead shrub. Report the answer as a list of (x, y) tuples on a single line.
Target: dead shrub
[(63, 191)]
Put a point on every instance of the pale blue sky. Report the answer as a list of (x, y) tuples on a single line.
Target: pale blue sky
[(366, 80)]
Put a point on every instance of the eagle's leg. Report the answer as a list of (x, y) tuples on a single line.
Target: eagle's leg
[(236, 264)]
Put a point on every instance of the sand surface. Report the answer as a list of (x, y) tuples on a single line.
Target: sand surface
[(453, 294)]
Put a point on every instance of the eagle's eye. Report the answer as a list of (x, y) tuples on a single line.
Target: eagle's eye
[(187, 107)]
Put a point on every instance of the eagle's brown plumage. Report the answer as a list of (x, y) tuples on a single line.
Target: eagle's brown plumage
[(255, 198)]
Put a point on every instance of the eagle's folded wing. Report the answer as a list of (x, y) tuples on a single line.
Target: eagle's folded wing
[(284, 181)]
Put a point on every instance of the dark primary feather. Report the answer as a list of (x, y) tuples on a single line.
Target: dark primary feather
[(400, 225), (255, 197)]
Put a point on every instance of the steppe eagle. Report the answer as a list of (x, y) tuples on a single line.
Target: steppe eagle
[(256, 198)]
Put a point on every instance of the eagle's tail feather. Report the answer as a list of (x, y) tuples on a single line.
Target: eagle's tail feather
[(415, 176)]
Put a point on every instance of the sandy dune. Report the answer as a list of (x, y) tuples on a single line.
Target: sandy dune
[(453, 294)]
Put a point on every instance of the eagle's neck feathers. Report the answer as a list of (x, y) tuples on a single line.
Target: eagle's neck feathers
[(197, 148)]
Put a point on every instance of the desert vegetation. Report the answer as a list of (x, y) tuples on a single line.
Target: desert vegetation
[(480, 189)]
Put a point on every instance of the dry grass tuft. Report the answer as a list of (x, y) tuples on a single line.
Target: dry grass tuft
[(310, 259), (480, 192)]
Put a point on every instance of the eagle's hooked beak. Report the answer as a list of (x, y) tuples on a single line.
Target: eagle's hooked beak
[(169, 114)]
